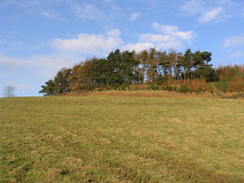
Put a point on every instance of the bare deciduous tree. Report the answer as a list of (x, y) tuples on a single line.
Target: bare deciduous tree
[(8, 91)]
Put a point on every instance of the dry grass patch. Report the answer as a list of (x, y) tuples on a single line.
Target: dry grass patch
[(97, 138), (143, 93)]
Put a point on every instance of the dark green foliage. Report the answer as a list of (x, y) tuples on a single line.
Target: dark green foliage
[(187, 64), (49, 89), (59, 85), (100, 73), (222, 86), (153, 87), (161, 79), (122, 69), (184, 89), (211, 75), (170, 88), (62, 81)]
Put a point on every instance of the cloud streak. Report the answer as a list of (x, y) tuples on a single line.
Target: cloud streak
[(207, 11), (237, 54), (85, 11), (44, 65), (88, 12), (39, 7), (90, 43), (211, 15), (236, 41), (134, 16), (167, 37)]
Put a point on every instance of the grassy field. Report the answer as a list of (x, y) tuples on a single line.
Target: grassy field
[(121, 139)]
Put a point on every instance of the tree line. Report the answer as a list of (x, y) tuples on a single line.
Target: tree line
[(121, 69)]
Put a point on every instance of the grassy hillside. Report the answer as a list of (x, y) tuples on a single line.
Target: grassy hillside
[(121, 139)]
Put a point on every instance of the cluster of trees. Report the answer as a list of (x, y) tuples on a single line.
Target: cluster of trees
[(231, 78), (123, 68)]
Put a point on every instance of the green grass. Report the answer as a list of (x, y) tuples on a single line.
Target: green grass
[(121, 139)]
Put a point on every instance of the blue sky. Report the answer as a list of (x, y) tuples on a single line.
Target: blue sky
[(39, 37)]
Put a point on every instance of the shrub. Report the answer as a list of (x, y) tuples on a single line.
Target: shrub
[(222, 86), (184, 89), (169, 88), (237, 84), (230, 73), (161, 79), (198, 85), (199, 90), (153, 87), (123, 87)]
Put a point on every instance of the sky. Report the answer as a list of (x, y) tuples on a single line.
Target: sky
[(39, 37)]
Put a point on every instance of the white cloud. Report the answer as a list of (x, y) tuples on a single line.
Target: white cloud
[(69, 50), (27, 74), (90, 43), (50, 14), (164, 28), (94, 12), (155, 38), (134, 16), (161, 41), (234, 41), (38, 7), (169, 37), (205, 10), (211, 15), (45, 65), (138, 46), (173, 31), (22, 3), (84, 10), (88, 12), (193, 6), (237, 54)]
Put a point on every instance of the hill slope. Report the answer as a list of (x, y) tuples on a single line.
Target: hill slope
[(121, 139)]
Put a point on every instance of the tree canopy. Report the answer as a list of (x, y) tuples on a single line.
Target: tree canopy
[(123, 68)]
